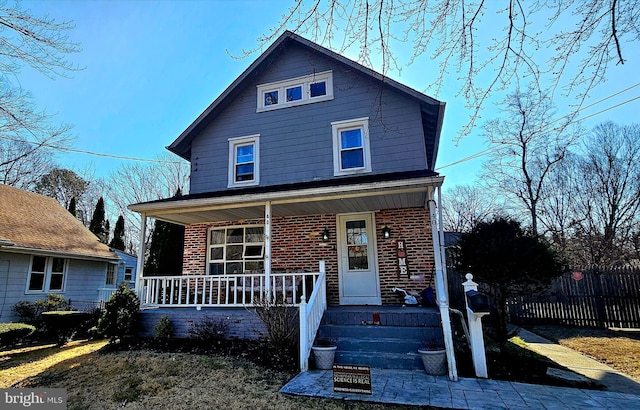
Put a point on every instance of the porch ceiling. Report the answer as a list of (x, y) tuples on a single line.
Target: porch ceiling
[(328, 200)]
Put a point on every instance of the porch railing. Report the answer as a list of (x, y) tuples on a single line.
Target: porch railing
[(310, 317), (238, 290)]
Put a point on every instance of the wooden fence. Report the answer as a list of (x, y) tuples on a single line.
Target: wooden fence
[(598, 297)]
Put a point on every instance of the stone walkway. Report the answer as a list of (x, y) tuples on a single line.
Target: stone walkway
[(419, 389)]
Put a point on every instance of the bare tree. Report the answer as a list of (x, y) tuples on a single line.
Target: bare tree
[(135, 183), (466, 205), (26, 133), (452, 36), (608, 206), (525, 150)]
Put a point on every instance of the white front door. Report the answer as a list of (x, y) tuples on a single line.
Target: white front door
[(358, 265)]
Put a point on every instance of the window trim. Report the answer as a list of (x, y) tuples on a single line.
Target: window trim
[(304, 81), (242, 141), (125, 274), (48, 273), (336, 128), (244, 244), (115, 274)]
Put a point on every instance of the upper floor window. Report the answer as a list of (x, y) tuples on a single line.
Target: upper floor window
[(236, 250), (47, 274), (296, 91), (244, 161), (351, 153)]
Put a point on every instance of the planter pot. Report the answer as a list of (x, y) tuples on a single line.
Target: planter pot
[(324, 356), (434, 361)]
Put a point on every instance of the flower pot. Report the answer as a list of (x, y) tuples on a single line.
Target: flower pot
[(434, 361), (324, 356)]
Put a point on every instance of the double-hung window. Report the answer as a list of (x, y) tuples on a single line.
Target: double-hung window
[(351, 153), (47, 274), (128, 274), (236, 250), (244, 161), (295, 91), (111, 275)]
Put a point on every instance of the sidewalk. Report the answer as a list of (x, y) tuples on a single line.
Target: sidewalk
[(612, 379)]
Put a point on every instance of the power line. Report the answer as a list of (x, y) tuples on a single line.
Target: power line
[(97, 154), (486, 151)]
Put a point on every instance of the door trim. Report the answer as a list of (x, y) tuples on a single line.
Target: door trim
[(370, 219)]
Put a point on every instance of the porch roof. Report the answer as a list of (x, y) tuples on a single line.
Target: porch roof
[(343, 195)]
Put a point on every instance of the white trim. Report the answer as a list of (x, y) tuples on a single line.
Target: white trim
[(305, 82), (48, 272), (336, 128), (115, 274), (239, 142)]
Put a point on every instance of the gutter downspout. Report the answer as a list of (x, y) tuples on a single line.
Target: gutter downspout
[(441, 292)]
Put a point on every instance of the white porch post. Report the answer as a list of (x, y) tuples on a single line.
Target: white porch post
[(442, 294), (141, 250), (267, 246)]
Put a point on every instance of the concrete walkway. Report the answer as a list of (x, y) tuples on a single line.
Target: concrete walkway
[(419, 389), (600, 373)]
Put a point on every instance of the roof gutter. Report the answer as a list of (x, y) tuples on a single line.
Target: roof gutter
[(70, 255)]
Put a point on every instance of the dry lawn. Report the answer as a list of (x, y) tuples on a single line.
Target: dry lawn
[(19, 364), (143, 379), (619, 349)]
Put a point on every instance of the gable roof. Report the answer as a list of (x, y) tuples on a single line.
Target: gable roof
[(33, 222), (432, 109)]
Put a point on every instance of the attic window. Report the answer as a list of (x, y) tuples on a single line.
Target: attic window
[(296, 91)]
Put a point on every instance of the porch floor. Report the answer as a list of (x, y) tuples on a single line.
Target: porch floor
[(410, 387)]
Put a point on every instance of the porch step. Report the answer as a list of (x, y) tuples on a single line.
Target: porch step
[(391, 345)]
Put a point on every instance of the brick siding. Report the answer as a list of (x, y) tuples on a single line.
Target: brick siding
[(296, 246)]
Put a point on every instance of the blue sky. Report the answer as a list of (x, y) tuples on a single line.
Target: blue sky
[(151, 67)]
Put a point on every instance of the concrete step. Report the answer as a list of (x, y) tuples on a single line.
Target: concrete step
[(386, 345), (380, 360), (389, 316), (418, 334)]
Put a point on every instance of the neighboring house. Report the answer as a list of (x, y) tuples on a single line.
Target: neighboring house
[(307, 157), (44, 249), (124, 271)]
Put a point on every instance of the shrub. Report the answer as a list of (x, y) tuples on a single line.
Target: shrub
[(121, 318), (282, 325), (209, 330), (11, 333), (65, 324), (164, 328), (30, 312)]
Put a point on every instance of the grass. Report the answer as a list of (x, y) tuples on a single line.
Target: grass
[(617, 348), (146, 379), (19, 364)]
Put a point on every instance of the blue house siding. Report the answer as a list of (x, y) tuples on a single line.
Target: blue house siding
[(126, 261), (296, 143), (83, 280)]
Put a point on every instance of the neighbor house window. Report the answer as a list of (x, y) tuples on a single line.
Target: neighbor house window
[(244, 161), (351, 153), (47, 274), (111, 274), (296, 91), (128, 274), (236, 250)]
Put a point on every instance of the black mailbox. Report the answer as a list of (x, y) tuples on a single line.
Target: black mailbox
[(477, 302)]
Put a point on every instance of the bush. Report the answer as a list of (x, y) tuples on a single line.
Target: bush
[(11, 333), (209, 330), (282, 323), (121, 317), (164, 328), (65, 324), (30, 312)]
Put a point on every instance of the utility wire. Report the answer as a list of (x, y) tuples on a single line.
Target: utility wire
[(494, 148), (97, 154)]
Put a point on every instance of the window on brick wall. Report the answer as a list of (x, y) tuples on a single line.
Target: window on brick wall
[(235, 250)]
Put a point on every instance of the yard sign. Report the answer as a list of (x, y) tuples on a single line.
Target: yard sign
[(352, 379)]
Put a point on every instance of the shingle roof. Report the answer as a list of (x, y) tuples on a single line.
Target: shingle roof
[(32, 221)]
